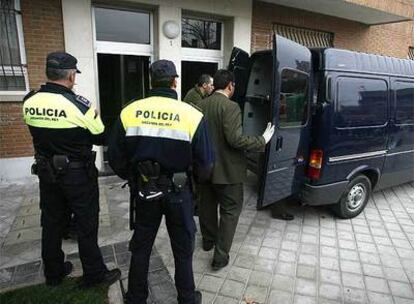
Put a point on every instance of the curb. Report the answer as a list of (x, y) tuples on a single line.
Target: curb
[(115, 294)]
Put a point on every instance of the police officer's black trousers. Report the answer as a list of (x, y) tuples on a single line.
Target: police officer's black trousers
[(78, 193), (178, 211)]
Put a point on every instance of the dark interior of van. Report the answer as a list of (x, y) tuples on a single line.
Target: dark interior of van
[(257, 107)]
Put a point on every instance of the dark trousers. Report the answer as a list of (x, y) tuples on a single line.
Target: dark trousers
[(78, 193), (178, 211), (230, 200)]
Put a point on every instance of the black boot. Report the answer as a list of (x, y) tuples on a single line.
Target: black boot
[(198, 297), (109, 277), (67, 269)]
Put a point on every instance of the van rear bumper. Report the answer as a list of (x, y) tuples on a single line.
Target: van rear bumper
[(323, 194)]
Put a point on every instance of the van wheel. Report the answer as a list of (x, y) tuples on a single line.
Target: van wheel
[(355, 198)]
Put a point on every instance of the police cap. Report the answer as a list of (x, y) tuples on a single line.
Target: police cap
[(61, 60), (163, 69)]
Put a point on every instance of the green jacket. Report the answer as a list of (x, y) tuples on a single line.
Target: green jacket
[(225, 127), (193, 96)]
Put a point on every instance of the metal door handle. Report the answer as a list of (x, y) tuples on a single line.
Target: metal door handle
[(279, 143)]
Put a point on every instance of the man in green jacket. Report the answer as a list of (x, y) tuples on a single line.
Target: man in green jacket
[(201, 90), (226, 186)]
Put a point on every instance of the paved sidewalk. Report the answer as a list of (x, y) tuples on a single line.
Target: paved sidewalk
[(312, 259)]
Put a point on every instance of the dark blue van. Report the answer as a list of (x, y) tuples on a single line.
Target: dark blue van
[(345, 123)]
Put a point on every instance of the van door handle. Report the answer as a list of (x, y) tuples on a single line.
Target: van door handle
[(279, 143)]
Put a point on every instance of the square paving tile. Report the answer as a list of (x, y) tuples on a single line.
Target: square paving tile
[(379, 298), (305, 287), (257, 293), (329, 291), (283, 282), (376, 284), (401, 289), (352, 280), (211, 283), (260, 278), (232, 289)]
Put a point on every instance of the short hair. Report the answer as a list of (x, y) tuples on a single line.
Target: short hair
[(204, 78), (165, 82), (222, 78), (58, 74)]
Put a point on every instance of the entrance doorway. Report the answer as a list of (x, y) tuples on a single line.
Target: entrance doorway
[(122, 78), (192, 70)]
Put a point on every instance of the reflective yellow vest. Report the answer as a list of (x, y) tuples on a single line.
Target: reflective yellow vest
[(161, 117), (55, 111)]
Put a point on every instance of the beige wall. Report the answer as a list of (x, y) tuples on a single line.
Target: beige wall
[(79, 41)]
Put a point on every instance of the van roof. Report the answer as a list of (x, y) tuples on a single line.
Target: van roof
[(343, 60)]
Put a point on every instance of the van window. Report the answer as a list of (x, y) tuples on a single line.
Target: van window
[(361, 102), (404, 105), (293, 105)]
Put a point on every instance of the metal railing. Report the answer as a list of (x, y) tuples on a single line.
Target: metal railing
[(306, 37), (12, 69), (411, 52)]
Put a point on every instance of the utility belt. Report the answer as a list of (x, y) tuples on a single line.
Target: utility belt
[(149, 185), (153, 185), (51, 169)]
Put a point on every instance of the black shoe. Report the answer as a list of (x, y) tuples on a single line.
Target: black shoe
[(67, 269), (283, 216), (110, 277), (198, 297), (217, 266), (207, 246)]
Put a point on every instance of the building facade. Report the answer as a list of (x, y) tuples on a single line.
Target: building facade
[(115, 41)]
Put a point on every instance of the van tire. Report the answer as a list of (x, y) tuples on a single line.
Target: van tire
[(355, 197)]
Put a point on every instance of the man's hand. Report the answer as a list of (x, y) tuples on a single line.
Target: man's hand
[(268, 133)]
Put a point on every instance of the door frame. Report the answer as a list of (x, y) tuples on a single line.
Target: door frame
[(116, 48)]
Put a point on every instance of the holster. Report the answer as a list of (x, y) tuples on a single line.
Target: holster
[(60, 164), (180, 181), (43, 168)]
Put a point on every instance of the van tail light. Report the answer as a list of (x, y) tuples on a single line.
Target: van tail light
[(315, 164)]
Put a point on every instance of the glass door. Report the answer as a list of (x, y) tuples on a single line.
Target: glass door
[(122, 78), (124, 50)]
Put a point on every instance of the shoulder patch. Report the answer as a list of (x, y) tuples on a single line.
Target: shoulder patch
[(83, 100)]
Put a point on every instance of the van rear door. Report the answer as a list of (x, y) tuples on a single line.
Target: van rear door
[(283, 167), (286, 155)]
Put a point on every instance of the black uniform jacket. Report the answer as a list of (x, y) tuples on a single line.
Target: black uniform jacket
[(62, 122), (162, 129)]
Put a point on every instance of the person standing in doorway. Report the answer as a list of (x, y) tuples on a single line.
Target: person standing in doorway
[(226, 187), (202, 89)]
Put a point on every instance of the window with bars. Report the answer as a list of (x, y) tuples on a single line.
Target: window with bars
[(411, 52), (12, 57), (306, 37)]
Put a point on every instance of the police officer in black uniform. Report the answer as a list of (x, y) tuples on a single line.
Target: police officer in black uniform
[(156, 144), (64, 126)]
